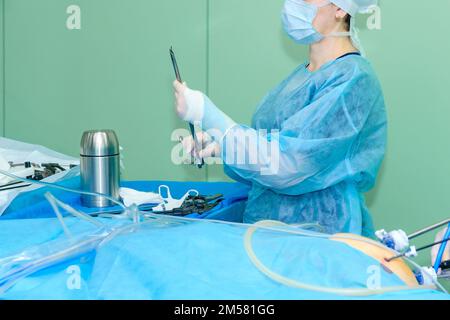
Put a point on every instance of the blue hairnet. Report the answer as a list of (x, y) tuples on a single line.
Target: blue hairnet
[(353, 7), (332, 136)]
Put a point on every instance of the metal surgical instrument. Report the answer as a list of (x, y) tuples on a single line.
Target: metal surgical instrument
[(191, 126)]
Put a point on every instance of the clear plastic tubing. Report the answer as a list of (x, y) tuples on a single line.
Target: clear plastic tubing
[(296, 284), (55, 186), (15, 268), (92, 244)]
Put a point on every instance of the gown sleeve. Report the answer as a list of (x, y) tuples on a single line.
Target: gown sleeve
[(312, 151)]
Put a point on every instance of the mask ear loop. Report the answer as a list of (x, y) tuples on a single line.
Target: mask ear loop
[(353, 34), (338, 33), (168, 194)]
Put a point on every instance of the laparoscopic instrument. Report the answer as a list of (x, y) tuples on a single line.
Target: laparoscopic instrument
[(419, 249), (199, 162), (32, 171), (400, 241)]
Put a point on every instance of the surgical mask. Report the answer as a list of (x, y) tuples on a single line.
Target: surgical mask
[(169, 203), (298, 17)]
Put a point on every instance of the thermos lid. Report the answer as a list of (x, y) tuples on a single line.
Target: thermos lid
[(99, 143)]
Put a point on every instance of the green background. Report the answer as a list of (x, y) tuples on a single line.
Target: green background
[(115, 73)]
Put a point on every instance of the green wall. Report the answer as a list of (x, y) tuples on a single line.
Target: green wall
[(412, 60), (115, 73)]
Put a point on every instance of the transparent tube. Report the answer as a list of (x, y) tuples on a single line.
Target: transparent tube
[(277, 226), (55, 186), (48, 256), (15, 268), (296, 284), (30, 263)]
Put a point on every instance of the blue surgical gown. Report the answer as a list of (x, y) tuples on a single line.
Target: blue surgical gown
[(331, 130)]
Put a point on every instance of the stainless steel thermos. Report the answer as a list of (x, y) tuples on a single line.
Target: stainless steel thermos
[(100, 167)]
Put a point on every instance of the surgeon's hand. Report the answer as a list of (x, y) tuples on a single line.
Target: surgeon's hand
[(180, 100), (189, 104), (208, 147)]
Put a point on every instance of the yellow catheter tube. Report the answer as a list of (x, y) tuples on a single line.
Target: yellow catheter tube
[(355, 292)]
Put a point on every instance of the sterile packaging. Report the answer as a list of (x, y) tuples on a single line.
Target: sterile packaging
[(20, 152)]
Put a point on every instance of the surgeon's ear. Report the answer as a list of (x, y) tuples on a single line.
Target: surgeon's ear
[(340, 14)]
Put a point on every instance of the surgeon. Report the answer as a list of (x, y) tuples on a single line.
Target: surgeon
[(318, 139)]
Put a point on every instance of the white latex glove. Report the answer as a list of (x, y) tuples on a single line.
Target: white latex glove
[(196, 108), (209, 147), (189, 104)]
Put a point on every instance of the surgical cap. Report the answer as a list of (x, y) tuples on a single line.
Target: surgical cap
[(352, 7)]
